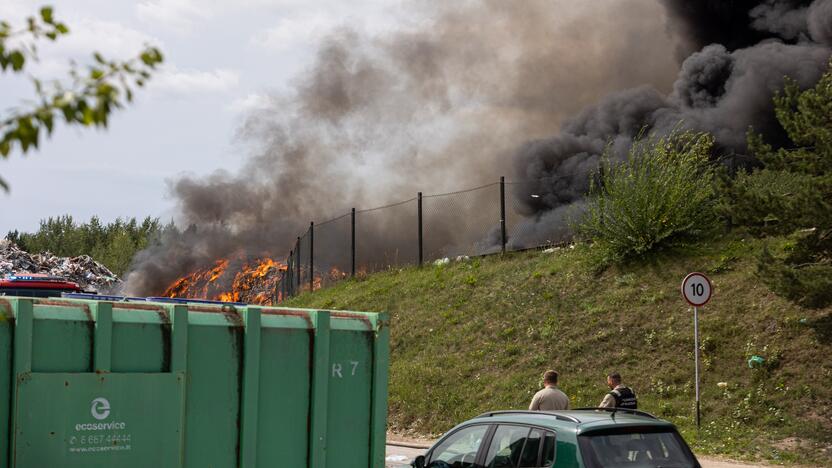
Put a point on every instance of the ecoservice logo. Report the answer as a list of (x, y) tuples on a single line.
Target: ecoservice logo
[(100, 408)]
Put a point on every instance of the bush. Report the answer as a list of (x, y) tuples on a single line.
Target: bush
[(662, 196)]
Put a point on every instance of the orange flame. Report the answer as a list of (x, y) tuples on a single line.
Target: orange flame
[(254, 282)]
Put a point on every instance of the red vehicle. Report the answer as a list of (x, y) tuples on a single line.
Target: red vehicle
[(37, 286)]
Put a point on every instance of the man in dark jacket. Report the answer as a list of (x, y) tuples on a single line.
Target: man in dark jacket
[(619, 395)]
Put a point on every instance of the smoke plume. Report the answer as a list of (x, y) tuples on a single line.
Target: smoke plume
[(474, 91), (724, 88)]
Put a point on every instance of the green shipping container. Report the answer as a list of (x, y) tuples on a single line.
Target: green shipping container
[(142, 384)]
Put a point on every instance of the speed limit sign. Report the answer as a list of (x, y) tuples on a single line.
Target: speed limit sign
[(696, 288)]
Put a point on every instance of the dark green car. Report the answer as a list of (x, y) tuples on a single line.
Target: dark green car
[(591, 437)]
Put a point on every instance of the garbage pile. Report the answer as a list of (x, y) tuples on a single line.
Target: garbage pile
[(89, 274)]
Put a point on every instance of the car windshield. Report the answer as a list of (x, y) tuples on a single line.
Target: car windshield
[(460, 449), (636, 449)]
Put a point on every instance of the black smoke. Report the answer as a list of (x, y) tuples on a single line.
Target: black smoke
[(820, 22), (734, 24), (724, 88), (471, 90)]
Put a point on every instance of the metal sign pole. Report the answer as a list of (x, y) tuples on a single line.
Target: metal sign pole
[(696, 358), (697, 290)]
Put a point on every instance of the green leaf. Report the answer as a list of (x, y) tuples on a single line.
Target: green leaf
[(146, 58), (62, 28), (3, 184), (69, 113), (88, 117), (35, 136), (48, 121), (151, 57), (17, 60), (46, 14)]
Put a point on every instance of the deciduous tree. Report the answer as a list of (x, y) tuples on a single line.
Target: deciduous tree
[(86, 98)]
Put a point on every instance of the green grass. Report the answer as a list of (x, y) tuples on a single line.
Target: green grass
[(475, 336)]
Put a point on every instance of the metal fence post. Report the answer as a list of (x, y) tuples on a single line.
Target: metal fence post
[(297, 265), (287, 274), (311, 256), (420, 227), (290, 273), (280, 289), (503, 213), (352, 223)]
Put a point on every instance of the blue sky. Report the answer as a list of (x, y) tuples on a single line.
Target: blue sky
[(222, 59)]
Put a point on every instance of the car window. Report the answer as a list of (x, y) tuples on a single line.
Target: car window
[(548, 454), (506, 446), (531, 451), (460, 449), (642, 449)]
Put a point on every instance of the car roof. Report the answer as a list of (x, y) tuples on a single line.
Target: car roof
[(578, 421)]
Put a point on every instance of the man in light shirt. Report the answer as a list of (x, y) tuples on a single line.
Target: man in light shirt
[(550, 398)]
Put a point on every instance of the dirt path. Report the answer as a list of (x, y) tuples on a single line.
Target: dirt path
[(709, 462)]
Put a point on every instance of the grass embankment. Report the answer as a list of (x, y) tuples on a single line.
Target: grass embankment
[(475, 336)]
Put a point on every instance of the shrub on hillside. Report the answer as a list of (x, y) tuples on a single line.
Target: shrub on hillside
[(663, 195)]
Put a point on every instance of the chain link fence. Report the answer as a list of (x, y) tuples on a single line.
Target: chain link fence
[(333, 244), (492, 218), (466, 222)]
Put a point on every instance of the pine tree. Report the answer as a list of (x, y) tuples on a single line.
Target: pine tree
[(794, 192)]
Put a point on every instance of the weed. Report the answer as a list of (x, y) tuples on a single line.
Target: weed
[(471, 280)]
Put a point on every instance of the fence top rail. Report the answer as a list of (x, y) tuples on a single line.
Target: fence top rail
[(435, 195), (386, 206), (529, 181), (324, 223)]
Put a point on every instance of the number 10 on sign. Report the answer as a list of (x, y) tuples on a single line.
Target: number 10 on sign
[(696, 289)]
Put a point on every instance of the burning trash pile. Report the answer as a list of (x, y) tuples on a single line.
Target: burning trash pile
[(253, 281), (89, 274)]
